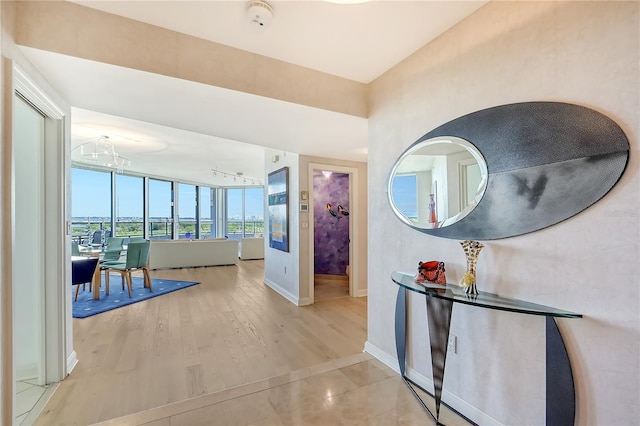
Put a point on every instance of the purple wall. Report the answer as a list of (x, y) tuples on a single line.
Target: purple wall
[(331, 235)]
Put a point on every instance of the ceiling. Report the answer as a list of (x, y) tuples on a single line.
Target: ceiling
[(164, 125)]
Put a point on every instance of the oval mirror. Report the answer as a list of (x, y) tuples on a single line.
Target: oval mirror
[(437, 182), (536, 164)]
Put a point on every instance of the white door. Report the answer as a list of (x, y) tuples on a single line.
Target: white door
[(29, 242)]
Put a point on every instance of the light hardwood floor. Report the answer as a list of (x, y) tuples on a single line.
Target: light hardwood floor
[(330, 287), (228, 331)]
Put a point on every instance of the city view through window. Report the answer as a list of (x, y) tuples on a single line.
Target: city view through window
[(115, 205)]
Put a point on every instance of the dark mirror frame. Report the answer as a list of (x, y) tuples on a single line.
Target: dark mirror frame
[(430, 148), (546, 162)]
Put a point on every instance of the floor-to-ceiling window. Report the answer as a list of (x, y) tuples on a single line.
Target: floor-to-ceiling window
[(90, 203), (245, 212), (189, 212), (186, 211), (160, 209), (234, 225), (129, 206), (253, 212), (206, 204)]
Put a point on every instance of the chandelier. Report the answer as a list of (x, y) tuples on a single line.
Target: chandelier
[(103, 152)]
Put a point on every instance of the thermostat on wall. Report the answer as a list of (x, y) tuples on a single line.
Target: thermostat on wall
[(304, 207)]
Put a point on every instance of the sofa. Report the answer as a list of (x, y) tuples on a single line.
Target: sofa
[(252, 248), (188, 254)]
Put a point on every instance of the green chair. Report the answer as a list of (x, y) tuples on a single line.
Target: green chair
[(137, 259), (113, 243), (113, 249), (75, 249)]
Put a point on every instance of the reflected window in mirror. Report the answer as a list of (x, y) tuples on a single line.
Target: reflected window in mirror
[(405, 195), (437, 182)]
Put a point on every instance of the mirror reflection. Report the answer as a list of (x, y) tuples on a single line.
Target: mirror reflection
[(437, 182)]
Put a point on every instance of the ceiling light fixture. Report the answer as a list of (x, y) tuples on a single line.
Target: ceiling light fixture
[(236, 176), (102, 152)]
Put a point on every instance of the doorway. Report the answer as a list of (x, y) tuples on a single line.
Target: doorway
[(332, 230), (38, 248)]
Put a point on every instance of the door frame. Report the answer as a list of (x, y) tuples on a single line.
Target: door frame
[(354, 231), (57, 253)]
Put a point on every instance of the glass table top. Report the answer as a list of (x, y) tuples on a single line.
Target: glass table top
[(485, 300)]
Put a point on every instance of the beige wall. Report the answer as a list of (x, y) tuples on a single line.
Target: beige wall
[(584, 53), (71, 29)]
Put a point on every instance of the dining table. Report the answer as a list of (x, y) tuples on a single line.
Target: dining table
[(89, 251), (94, 251)]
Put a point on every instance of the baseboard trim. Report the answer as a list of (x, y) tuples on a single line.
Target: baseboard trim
[(450, 399), (72, 361), (362, 293), (282, 292)]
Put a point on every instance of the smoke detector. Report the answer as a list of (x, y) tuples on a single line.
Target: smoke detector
[(259, 13)]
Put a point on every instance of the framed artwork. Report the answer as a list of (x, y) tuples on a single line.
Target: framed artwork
[(278, 196)]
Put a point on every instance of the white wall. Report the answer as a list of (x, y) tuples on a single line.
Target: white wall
[(281, 269), (585, 53)]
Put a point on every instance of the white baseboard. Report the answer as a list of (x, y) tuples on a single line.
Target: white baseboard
[(304, 301), (362, 293), (284, 293), (452, 400), (72, 361)]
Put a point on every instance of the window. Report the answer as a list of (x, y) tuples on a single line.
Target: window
[(129, 206), (90, 203), (160, 209), (245, 212), (234, 225), (186, 211), (193, 212), (253, 212), (405, 195), (206, 204)]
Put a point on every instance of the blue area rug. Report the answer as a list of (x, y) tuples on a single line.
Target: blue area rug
[(85, 306)]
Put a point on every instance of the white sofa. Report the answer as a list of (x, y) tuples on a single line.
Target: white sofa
[(252, 248), (188, 254)]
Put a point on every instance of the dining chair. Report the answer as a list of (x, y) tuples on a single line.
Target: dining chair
[(75, 249), (113, 249), (137, 258), (82, 272), (97, 239)]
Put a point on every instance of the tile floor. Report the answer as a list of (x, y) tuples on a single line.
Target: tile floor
[(28, 395), (361, 391)]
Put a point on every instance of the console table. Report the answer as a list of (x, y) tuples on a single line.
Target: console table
[(560, 392)]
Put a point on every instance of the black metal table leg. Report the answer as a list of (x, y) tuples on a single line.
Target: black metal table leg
[(439, 317), (561, 394)]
